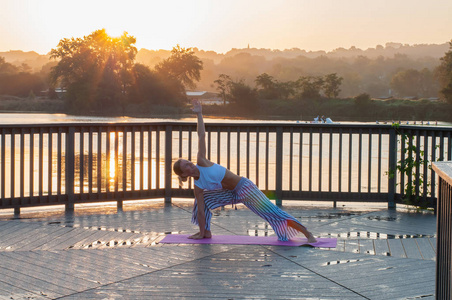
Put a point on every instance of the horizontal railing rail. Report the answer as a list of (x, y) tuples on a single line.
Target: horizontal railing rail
[(52, 164)]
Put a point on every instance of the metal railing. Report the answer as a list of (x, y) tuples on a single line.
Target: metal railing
[(78, 163)]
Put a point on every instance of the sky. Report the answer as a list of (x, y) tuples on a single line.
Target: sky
[(38, 25)]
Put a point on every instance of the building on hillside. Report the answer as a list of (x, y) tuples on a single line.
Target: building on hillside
[(206, 98)]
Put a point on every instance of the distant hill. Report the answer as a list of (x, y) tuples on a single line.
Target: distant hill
[(435, 51), (368, 70), (34, 60), (152, 57), (19, 55)]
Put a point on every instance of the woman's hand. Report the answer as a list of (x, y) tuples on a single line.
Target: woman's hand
[(197, 108)]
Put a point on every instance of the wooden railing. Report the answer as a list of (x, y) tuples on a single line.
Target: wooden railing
[(444, 230), (78, 163)]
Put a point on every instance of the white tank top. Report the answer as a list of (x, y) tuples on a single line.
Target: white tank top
[(210, 177)]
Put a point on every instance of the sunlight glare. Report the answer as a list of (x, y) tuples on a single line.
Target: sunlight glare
[(115, 31)]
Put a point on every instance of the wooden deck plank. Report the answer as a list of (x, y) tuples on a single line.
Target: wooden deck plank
[(83, 234), (35, 238), (66, 263), (5, 225), (97, 264), (433, 241), (351, 246), (57, 239), (366, 247), (396, 248), (104, 237), (8, 292), (89, 239), (46, 273), (45, 239), (120, 237), (51, 265), (18, 278), (11, 231), (425, 248), (381, 247), (411, 248)]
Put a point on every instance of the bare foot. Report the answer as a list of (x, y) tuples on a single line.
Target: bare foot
[(198, 235), (311, 238), (299, 227)]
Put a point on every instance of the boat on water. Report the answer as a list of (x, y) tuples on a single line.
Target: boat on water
[(408, 122), (322, 120)]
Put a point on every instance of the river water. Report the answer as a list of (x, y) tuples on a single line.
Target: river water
[(43, 118)]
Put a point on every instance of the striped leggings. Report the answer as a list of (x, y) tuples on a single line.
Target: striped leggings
[(248, 193)]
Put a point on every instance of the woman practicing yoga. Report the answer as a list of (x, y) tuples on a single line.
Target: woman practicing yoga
[(216, 186)]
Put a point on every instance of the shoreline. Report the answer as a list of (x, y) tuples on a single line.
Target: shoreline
[(339, 111), (30, 117)]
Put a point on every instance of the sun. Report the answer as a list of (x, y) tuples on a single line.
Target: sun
[(115, 31)]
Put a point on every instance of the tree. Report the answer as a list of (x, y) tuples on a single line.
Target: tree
[(95, 70), (377, 88), (223, 86), (444, 74), (362, 99), (7, 68), (285, 89), (244, 96), (268, 86), (182, 65), (310, 87), (429, 85), (352, 84), (25, 68), (331, 85), (21, 84), (265, 81), (16, 83), (406, 83), (149, 88)]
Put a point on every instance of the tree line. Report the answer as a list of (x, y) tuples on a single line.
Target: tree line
[(372, 74), (238, 93), (100, 73), (19, 81), (399, 77)]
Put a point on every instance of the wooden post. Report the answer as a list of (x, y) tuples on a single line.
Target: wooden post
[(279, 165), (392, 167), (168, 162), (70, 169)]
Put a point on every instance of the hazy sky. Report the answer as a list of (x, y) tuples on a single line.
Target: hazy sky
[(38, 25)]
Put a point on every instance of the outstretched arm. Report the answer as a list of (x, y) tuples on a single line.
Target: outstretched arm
[(201, 216), (197, 108)]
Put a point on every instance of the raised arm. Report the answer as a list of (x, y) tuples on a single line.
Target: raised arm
[(202, 160)]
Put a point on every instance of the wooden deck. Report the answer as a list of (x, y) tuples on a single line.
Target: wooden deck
[(99, 253)]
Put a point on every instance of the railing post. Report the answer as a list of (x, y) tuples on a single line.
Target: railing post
[(70, 169), (392, 167), (279, 165), (168, 162)]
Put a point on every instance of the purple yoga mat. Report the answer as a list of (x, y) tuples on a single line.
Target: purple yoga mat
[(248, 240)]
